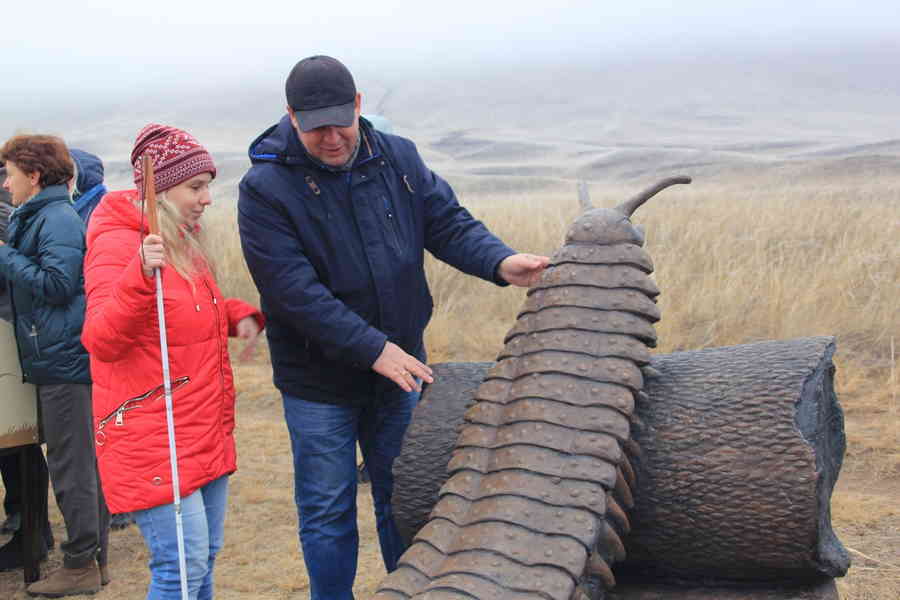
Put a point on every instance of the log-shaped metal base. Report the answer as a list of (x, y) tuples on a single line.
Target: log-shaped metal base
[(741, 447)]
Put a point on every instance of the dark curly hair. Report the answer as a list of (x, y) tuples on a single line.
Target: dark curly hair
[(44, 154)]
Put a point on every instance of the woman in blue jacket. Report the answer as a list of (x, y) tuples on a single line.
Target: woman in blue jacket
[(42, 266)]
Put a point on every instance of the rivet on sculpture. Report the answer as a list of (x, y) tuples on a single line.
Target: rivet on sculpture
[(540, 480)]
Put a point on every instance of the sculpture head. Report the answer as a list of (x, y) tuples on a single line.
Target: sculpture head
[(608, 226)]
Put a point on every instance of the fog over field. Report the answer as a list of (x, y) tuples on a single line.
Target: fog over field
[(514, 99)]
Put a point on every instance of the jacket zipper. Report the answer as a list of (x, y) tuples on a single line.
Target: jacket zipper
[(218, 343), (34, 340), (392, 224), (132, 403)]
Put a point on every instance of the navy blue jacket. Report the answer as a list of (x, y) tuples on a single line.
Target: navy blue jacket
[(338, 257), (89, 188), (42, 265)]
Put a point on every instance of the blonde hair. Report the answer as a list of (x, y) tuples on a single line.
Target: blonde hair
[(186, 247)]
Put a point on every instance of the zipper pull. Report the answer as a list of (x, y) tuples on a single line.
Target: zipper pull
[(120, 417), (312, 185), (33, 331), (197, 306)]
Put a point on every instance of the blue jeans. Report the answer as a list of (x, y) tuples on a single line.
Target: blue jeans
[(203, 522), (323, 440)]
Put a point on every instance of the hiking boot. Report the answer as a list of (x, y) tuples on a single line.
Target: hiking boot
[(11, 555), (68, 582), (11, 524)]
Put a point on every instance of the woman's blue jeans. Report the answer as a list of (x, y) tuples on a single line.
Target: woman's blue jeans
[(203, 522), (323, 440)]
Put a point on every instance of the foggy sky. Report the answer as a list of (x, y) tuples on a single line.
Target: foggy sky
[(62, 60), (109, 43)]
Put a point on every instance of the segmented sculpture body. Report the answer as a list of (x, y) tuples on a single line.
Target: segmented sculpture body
[(539, 482)]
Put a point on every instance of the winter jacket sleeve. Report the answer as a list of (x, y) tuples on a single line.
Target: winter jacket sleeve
[(452, 234), (54, 274), (291, 288), (120, 298), (238, 310)]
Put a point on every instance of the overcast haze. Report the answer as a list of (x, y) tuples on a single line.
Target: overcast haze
[(110, 43), (812, 76)]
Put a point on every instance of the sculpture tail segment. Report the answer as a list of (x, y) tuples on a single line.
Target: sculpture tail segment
[(539, 485)]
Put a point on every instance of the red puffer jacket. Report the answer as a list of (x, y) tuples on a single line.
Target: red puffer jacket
[(121, 333)]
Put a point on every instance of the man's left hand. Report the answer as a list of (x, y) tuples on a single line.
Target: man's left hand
[(522, 270)]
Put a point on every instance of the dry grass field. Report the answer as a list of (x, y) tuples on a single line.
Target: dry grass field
[(786, 251)]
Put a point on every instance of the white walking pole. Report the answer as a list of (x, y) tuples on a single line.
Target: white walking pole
[(150, 198)]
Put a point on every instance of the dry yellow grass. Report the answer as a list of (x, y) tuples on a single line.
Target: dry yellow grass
[(737, 259)]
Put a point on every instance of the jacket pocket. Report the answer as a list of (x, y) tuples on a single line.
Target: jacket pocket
[(116, 418), (28, 337)]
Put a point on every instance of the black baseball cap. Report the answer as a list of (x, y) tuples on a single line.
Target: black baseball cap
[(321, 91)]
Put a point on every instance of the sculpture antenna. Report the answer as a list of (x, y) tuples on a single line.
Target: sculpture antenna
[(628, 207), (584, 197)]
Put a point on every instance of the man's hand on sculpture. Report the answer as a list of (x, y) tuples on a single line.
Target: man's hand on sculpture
[(522, 270), (401, 368)]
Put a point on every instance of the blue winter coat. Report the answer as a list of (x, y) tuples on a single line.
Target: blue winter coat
[(89, 184), (42, 265), (338, 257)]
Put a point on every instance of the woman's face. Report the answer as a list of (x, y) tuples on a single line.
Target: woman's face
[(20, 185), (191, 197)]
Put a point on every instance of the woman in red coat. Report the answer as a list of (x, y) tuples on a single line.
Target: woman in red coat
[(121, 333)]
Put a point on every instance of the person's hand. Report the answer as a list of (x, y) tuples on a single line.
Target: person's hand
[(153, 254), (523, 270), (402, 368), (248, 329)]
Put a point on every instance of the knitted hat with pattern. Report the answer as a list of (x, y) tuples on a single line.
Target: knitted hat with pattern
[(177, 156)]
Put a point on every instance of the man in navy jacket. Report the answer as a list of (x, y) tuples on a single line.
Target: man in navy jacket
[(334, 220)]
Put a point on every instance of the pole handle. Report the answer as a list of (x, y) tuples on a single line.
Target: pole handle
[(149, 192)]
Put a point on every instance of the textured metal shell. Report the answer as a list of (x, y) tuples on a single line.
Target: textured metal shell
[(564, 389), (593, 254), (539, 480), (606, 369), (601, 276), (585, 296), (598, 321), (575, 340)]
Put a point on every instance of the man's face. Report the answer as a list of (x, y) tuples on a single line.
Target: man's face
[(329, 144)]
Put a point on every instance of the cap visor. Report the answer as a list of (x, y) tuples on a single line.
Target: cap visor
[(336, 116)]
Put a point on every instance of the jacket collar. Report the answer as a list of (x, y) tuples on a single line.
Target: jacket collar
[(48, 195), (280, 144), (89, 197)]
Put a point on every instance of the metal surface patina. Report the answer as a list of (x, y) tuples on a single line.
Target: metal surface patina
[(540, 480)]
